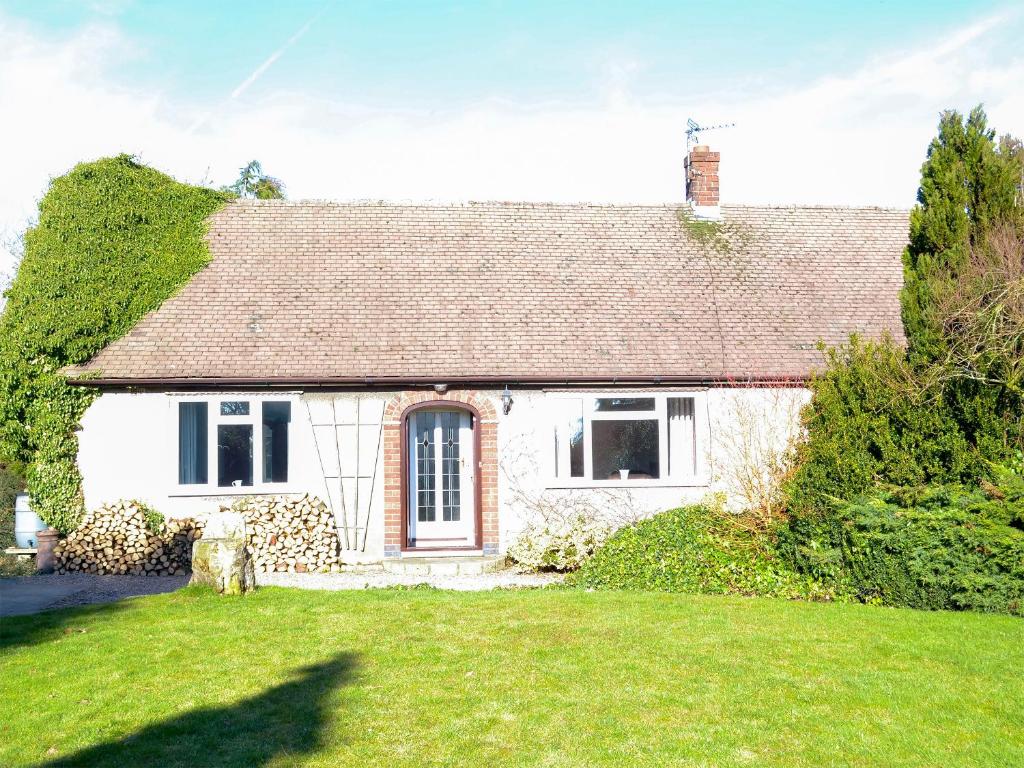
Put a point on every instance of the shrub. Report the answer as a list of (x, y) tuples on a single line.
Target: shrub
[(155, 521), (939, 547), (10, 483), (16, 566), (873, 420), (113, 241), (693, 549), (954, 401), (558, 544)]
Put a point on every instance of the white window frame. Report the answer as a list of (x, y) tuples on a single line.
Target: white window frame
[(215, 419), (558, 466)]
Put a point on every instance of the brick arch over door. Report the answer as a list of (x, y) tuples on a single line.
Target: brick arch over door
[(395, 415)]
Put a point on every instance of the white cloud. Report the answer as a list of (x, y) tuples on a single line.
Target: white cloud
[(852, 138)]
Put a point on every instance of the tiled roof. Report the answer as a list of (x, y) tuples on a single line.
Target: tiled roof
[(321, 291)]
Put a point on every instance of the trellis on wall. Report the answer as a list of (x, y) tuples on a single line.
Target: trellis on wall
[(347, 433)]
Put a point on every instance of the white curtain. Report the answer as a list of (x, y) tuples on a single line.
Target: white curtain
[(682, 436)]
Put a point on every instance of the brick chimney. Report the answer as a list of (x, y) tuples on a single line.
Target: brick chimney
[(702, 181)]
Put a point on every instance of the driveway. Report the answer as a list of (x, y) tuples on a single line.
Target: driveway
[(32, 594)]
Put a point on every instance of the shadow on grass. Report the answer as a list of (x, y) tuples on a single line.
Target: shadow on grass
[(53, 625), (290, 719)]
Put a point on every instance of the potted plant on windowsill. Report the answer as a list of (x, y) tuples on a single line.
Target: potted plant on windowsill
[(623, 474)]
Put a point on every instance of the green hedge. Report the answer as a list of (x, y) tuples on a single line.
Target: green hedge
[(114, 240), (940, 547), (10, 483), (870, 420), (693, 549)]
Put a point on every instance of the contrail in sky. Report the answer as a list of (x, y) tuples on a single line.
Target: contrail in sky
[(257, 73)]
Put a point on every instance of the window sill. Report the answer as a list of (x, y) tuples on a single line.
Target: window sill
[(582, 484), (181, 491)]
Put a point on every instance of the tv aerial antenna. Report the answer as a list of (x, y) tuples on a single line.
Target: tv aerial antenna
[(694, 130)]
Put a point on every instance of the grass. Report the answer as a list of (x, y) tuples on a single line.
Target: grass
[(537, 678)]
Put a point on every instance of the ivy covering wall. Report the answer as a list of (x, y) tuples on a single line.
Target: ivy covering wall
[(114, 240)]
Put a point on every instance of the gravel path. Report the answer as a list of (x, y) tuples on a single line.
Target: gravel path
[(369, 579), (32, 594)]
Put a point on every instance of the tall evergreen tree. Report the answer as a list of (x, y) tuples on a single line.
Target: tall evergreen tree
[(968, 184)]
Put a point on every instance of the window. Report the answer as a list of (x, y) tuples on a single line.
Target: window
[(624, 404), (276, 417), (425, 510), (625, 448), (232, 443), (192, 420), (608, 438), (451, 467), (234, 455), (569, 438)]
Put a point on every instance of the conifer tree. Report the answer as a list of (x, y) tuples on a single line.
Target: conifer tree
[(968, 184)]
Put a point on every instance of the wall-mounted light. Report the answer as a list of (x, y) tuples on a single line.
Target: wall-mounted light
[(506, 400)]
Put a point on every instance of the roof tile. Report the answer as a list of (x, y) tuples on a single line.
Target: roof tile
[(313, 291)]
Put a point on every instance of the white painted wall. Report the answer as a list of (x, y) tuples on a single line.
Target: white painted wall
[(127, 450), (734, 425)]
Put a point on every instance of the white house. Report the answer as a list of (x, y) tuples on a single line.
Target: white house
[(438, 373)]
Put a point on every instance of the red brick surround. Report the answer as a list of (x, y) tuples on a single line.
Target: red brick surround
[(702, 176), (487, 463)]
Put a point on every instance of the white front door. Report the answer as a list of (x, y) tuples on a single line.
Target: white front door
[(441, 478)]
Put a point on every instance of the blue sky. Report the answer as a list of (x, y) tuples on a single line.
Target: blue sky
[(502, 100), (444, 55)]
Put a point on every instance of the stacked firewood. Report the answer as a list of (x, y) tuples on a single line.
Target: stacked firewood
[(117, 539), (294, 535)]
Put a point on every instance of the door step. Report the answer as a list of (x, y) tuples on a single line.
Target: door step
[(438, 553), (444, 566)]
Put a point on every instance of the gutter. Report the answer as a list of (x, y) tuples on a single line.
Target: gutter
[(421, 382)]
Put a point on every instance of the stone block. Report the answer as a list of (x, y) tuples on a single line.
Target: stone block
[(222, 564)]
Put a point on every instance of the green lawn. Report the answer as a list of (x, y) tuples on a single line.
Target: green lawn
[(545, 678)]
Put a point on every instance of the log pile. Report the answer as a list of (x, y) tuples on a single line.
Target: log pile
[(293, 535), (116, 539)]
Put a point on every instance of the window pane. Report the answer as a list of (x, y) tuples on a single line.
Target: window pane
[(625, 445), (234, 408), (234, 455), (624, 404), (425, 509), (568, 416), (192, 437), (275, 441), (450, 467), (576, 442)]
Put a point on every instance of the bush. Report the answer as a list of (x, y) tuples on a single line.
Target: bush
[(693, 549), (114, 240), (16, 566), (10, 483), (155, 520), (938, 547), (558, 544), (872, 420)]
